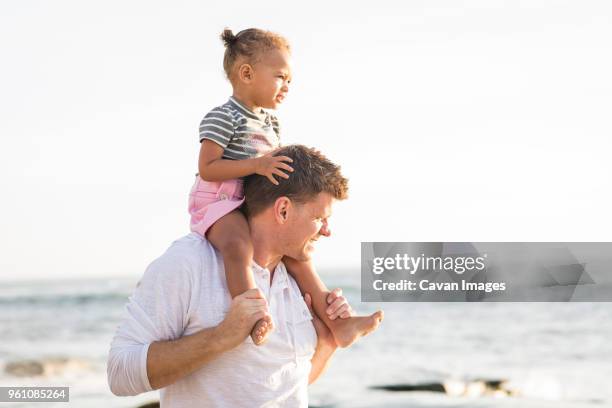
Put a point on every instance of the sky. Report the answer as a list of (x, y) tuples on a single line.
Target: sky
[(454, 121)]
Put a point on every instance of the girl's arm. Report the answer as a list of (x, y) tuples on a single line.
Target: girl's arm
[(213, 167)]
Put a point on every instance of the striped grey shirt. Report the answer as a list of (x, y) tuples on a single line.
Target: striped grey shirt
[(241, 132)]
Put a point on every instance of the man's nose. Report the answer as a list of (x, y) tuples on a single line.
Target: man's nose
[(325, 231), (285, 87)]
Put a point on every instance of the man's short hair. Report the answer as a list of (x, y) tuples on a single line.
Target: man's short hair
[(312, 174)]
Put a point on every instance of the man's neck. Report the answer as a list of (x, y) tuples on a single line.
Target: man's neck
[(265, 244)]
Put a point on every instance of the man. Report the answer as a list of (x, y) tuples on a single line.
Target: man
[(184, 333)]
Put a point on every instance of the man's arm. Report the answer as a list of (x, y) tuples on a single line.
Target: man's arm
[(148, 350), (169, 361), (320, 360)]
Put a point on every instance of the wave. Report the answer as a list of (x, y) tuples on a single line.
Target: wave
[(63, 299), (67, 292), (47, 367)]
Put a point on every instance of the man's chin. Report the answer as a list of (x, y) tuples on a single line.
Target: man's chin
[(302, 256), (308, 254)]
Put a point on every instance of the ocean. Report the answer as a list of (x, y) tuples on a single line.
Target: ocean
[(424, 354)]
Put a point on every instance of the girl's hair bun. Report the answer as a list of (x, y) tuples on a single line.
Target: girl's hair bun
[(228, 37), (249, 44)]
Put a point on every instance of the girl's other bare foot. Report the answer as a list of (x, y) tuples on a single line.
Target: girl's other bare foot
[(261, 330), (347, 331)]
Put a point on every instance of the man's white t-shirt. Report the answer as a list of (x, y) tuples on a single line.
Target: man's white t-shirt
[(185, 291)]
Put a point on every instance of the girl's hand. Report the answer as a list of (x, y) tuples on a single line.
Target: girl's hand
[(269, 165), (338, 306)]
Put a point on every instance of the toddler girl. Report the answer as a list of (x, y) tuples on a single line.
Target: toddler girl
[(237, 140)]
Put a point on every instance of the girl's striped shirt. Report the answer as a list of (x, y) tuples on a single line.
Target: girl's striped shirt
[(241, 132)]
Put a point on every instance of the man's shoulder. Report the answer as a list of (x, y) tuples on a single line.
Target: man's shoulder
[(186, 247), (189, 244), (185, 255)]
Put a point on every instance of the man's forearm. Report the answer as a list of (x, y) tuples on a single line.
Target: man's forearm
[(169, 361), (319, 362)]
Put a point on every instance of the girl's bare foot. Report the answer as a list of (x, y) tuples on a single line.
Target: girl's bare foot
[(260, 331), (347, 331)]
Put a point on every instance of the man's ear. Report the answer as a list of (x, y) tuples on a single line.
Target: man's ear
[(245, 73), (282, 208)]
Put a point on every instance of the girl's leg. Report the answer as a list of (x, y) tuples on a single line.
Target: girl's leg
[(345, 331), (230, 235)]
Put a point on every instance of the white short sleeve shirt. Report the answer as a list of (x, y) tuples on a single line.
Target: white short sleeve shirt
[(185, 291)]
